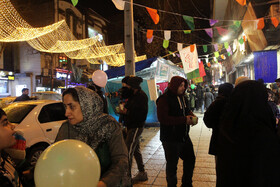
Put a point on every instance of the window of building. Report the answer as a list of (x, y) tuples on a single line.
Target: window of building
[(92, 33), (4, 87)]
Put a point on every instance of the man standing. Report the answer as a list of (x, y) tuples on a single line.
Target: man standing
[(175, 119), (24, 96), (135, 112)]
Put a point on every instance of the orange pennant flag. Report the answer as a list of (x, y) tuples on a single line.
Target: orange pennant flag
[(260, 25), (241, 2), (244, 38), (150, 33), (275, 21), (154, 15), (192, 48)]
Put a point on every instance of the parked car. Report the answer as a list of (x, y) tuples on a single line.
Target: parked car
[(5, 101), (40, 121)]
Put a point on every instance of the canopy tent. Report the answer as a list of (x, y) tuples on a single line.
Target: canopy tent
[(120, 71)]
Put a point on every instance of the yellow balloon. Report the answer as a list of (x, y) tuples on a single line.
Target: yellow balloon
[(67, 163)]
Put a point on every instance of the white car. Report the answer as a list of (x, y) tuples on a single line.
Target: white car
[(40, 121)]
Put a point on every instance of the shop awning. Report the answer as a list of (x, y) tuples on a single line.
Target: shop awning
[(120, 71)]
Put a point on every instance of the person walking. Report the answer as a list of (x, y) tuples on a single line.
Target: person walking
[(87, 123), (135, 113), (213, 114), (208, 98), (175, 119), (249, 149), (24, 96)]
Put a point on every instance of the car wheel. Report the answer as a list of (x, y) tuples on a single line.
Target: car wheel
[(34, 154)]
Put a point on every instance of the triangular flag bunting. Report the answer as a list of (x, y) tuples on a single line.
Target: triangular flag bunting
[(209, 31), (213, 22), (165, 43), (241, 2), (150, 40), (216, 53), (260, 24), (119, 4), (187, 31), (192, 47), (154, 15), (74, 2), (179, 46), (150, 34), (222, 31), (216, 47), (201, 69), (190, 22), (226, 45), (237, 23), (205, 48), (167, 35), (228, 49), (241, 41), (275, 21), (223, 57), (228, 53)]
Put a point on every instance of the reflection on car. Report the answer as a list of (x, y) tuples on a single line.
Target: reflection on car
[(40, 121)]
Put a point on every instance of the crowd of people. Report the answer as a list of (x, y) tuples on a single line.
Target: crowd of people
[(243, 117)]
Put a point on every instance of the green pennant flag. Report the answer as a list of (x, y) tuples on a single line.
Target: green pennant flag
[(193, 74), (205, 48), (228, 53), (226, 45), (187, 31), (237, 24), (241, 41), (74, 2), (190, 22), (216, 54), (170, 52), (165, 43)]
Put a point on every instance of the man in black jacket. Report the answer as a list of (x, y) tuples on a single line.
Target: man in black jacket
[(135, 112), (175, 119), (24, 96)]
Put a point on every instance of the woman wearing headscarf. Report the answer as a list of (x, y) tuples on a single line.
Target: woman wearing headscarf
[(213, 114), (87, 123), (249, 149)]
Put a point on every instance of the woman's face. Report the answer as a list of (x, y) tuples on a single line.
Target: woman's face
[(6, 133), (73, 110)]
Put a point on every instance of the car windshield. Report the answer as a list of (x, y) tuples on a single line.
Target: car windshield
[(17, 112)]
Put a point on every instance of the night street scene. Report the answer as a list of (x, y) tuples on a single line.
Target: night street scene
[(122, 93)]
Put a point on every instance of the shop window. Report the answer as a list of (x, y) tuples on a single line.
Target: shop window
[(4, 87)]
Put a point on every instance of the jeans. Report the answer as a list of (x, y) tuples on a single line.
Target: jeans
[(173, 151)]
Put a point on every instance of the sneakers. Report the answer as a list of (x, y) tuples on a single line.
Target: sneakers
[(141, 176)]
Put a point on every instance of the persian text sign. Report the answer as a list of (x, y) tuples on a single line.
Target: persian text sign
[(189, 59)]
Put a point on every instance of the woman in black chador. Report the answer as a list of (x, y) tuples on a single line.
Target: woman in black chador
[(249, 149)]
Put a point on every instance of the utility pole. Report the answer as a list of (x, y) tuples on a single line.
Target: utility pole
[(129, 38)]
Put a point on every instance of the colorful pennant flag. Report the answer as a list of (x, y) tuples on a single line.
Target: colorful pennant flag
[(222, 31), (209, 31), (217, 54), (150, 40), (241, 2), (228, 49), (190, 22), (213, 22), (223, 57), (154, 15), (237, 23), (165, 43), (192, 47), (205, 49), (209, 64), (193, 74), (201, 69), (226, 45), (216, 47), (167, 35), (150, 33), (260, 24), (179, 46), (74, 2), (241, 41), (228, 53), (187, 31), (274, 21), (119, 4)]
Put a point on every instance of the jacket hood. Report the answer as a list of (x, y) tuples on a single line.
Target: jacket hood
[(175, 83)]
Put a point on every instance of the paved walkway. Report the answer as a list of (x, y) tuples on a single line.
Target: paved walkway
[(153, 157)]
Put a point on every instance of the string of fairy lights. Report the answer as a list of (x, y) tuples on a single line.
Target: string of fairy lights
[(55, 38)]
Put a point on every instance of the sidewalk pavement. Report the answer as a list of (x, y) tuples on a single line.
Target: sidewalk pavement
[(153, 157)]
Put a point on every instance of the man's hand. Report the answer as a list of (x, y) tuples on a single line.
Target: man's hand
[(101, 184), (189, 120)]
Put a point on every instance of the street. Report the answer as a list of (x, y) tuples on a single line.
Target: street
[(153, 157)]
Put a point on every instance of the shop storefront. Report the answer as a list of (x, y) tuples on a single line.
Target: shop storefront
[(5, 79)]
